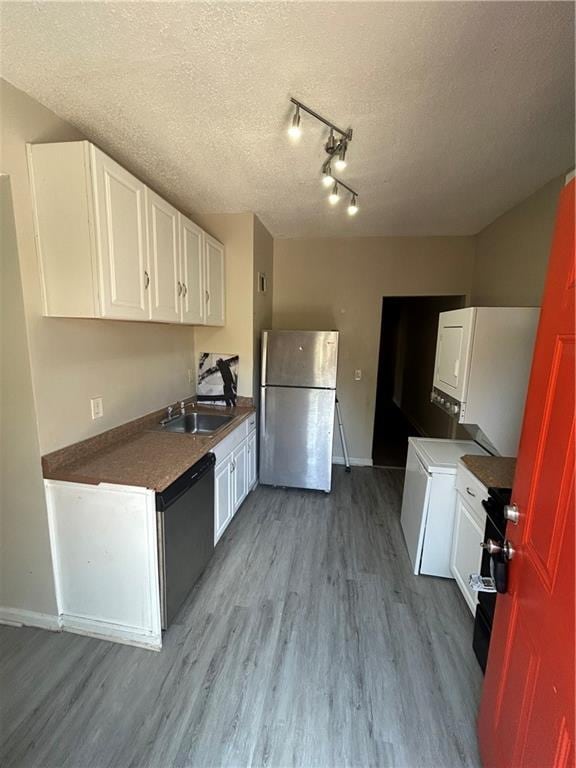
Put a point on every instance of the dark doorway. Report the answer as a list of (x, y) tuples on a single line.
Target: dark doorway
[(405, 371)]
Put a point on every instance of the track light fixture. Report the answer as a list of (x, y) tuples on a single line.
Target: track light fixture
[(295, 131), (334, 196), (353, 206), (327, 178), (340, 162), (336, 148)]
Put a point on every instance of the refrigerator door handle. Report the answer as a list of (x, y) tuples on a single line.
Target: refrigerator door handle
[(263, 410), (264, 357)]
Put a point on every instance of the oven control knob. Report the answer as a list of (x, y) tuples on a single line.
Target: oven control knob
[(491, 546), (512, 513), (455, 409)]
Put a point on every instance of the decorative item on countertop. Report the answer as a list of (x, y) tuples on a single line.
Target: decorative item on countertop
[(218, 378)]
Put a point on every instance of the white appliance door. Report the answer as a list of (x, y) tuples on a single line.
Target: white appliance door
[(415, 507), (300, 358), (296, 429)]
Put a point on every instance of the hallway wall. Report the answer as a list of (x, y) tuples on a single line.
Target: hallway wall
[(338, 284)]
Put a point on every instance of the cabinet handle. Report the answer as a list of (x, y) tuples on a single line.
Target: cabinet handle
[(233, 466), (207, 295), (470, 493), (179, 288), (184, 289), (146, 280)]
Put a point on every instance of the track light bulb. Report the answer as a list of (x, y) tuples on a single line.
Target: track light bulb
[(353, 207), (295, 131), (340, 161), (327, 178), (334, 196)]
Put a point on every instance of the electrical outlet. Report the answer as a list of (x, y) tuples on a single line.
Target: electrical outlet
[(358, 374), (97, 407)]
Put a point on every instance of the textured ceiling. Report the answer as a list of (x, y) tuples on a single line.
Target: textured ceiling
[(459, 109)]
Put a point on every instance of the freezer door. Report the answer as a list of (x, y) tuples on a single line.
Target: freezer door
[(299, 358), (296, 428)]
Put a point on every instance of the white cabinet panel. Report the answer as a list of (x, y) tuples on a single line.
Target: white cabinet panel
[(214, 281), (239, 469), (164, 259), (223, 508), (251, 459), (105, 553), (121, 234), (466, 551), (192, 272)]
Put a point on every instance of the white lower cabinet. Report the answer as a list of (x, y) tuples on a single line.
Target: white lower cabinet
[(251, 462), (239, 475), (234, 477), (222, 497), (466, 551)]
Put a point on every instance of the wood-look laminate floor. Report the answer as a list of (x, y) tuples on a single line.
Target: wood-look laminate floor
[(308, 642)]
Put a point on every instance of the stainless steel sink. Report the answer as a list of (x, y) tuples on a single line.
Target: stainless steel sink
[(197, 423)]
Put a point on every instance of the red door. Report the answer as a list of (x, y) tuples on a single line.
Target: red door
[(527, 709)]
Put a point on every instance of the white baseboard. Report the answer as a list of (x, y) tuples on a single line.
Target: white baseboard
[(116, 633), (19, 617), (354, 462)]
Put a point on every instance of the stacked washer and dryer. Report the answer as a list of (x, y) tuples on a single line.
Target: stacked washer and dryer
[(481, 371)]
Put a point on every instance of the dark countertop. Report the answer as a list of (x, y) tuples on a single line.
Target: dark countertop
[(492, 471), (137, 453)]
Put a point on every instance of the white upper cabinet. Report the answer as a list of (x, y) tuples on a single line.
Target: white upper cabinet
[(215, 281), (453, 348), (121, 236), (164, 259), (109, 247), (192, 272)]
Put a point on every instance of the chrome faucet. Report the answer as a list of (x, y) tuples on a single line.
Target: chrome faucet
[(182, 407)]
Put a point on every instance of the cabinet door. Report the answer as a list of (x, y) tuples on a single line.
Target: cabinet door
[(251, 448), (192, 272), (453, 351), (466, 551), (164, 258), (214, 269), (222, 497), (240, 470), (120, 213)]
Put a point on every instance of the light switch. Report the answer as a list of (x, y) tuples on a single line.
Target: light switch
[(358, 374), (97, 407)]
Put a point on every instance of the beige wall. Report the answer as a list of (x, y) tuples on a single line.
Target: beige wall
[(236, 232), (134, 367), (339, 284), (512, 252), (263, 262), (25, 562)]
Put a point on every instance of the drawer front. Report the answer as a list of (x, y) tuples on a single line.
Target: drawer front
[(226, 446), (230, 442), (472, 491)]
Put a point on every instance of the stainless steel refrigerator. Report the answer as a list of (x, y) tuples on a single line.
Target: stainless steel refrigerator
[(297, 401)]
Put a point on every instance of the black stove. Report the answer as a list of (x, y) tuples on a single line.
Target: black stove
[(494, 565)]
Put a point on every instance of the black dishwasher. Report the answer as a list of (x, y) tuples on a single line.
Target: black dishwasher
[(185, 534)]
